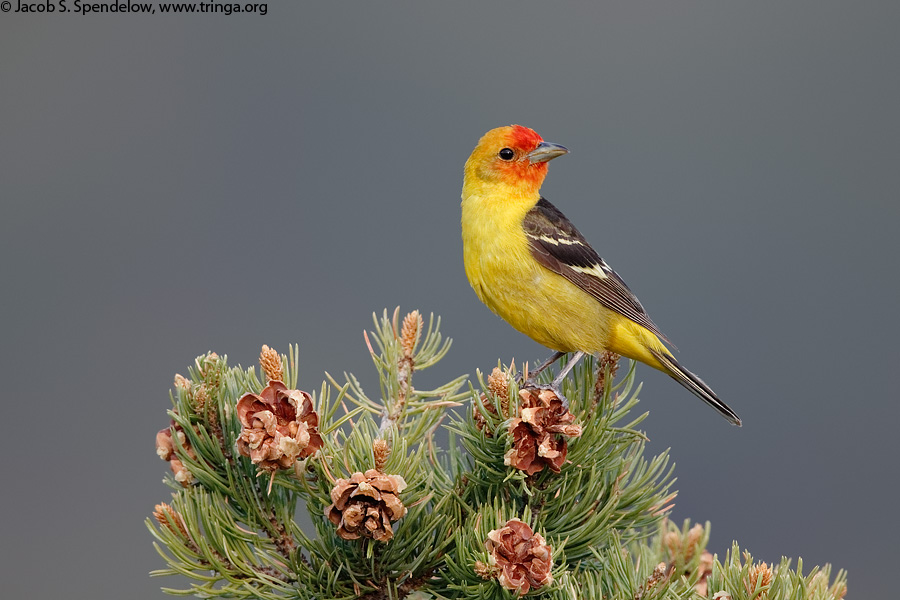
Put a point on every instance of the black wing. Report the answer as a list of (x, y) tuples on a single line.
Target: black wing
[(558, 246)]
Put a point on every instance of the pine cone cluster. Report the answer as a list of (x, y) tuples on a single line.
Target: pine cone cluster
[(270, 362), (705, 569), (278, 426), (522, 556), (758, 580), (165, 449), (537, 432), (498, 389), (681, 549), (365, 505)]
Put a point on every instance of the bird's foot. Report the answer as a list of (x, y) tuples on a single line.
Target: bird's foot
[(554, 386)]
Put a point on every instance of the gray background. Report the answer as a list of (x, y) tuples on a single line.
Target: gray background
[(172, 185)]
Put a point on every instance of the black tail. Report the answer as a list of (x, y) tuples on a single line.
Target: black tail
[(696, 386)]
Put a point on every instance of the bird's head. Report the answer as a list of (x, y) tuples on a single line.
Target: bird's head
[(514, 157)]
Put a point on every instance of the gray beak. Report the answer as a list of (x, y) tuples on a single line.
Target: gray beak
[(546, 151)]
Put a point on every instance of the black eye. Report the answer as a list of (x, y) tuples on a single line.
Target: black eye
[(507, 154)]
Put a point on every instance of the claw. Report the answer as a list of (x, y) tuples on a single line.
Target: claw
[(554, 385)]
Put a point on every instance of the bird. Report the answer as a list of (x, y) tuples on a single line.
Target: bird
[(529, 264)]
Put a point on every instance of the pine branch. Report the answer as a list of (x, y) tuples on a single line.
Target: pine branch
[(528, 498)]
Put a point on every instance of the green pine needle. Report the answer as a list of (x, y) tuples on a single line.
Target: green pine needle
[(229, 529)]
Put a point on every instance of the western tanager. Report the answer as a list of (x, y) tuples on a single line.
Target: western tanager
[(531, 266)]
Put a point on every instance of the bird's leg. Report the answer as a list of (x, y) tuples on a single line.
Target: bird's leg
[(533, 374), (554, 385), (569, 366)]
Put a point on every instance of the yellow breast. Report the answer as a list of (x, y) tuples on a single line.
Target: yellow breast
[(539, 303)]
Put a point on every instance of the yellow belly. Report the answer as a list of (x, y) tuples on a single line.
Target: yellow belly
[(541, 304)]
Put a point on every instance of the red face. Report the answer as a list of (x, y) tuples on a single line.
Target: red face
[(502, 154)]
